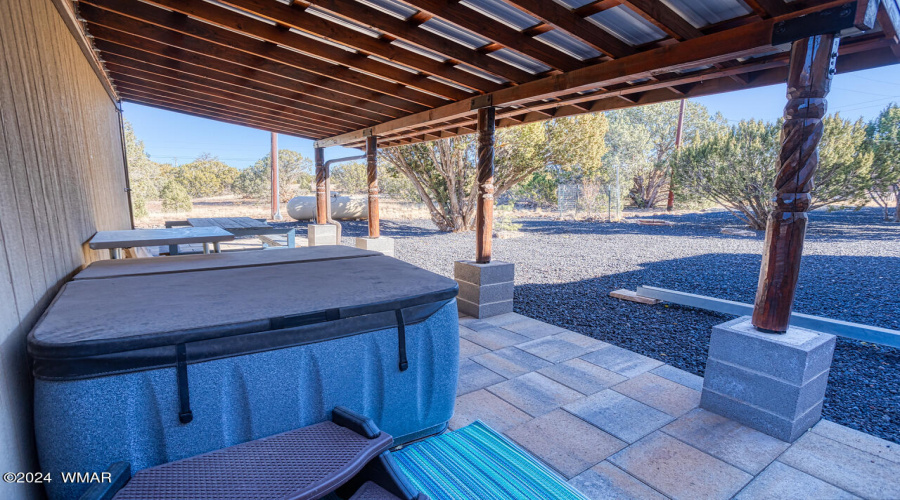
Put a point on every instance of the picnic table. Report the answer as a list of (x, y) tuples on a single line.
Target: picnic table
[(238, 226), (114, 241)]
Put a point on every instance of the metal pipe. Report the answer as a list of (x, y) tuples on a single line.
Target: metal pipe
[(327, 172)]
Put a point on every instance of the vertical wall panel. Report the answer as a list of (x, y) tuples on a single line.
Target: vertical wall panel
[(62, 178)]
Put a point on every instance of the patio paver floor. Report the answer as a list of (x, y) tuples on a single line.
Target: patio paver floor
[(617, 424)]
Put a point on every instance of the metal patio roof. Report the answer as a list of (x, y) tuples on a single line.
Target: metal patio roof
[(337, 71)]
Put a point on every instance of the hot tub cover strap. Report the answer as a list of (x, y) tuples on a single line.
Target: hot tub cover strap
[(401, 340), (184, 396)]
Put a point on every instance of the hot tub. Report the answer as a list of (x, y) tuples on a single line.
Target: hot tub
[(154, 360)]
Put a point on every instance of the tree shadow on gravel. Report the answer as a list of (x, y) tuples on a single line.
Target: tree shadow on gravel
[(837, 225), (864, 384)]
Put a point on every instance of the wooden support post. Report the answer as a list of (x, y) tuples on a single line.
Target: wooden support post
[(809, 79), (372, 174), (670, 204), (321, 189), (276, 198), (484, 211)]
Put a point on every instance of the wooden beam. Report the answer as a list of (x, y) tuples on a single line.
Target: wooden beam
[(409, 31), (772, 73), (484, 210), (742, 41), (157, 24), (889, 18), (487, 27), (588, 32), (339, 106), (809, 79), (771, 8), (273, 163), (372, 178), (321, 189), (295, 17)]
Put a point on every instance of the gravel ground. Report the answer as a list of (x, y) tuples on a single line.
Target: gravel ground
[(565, 271)]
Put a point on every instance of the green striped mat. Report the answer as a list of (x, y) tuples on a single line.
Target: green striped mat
[(477, 463)]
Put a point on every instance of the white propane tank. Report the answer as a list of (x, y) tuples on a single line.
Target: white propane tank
[(342, 208)]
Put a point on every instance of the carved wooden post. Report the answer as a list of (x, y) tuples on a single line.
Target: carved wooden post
[(484, 211), (372, 174), (809, 79), (276, 202), (321, 190)]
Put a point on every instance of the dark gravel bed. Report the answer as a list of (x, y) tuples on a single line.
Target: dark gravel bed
[(565, 271)]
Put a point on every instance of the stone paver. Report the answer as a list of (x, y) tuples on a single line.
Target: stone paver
[(565, 442), (586, 378), (572, 401), (679, 377), (621, 361), (782, 482), (532, 329), (662, 394), (725, 439), (468, 349), (859, 440), (589, 343), (493, 338), (505, 319), (619, 415), (605, 481), (534, 393), (473, 376), (844, 466), (493, 411), (511, 362), (553, 349), (475, 324), (678, 470)]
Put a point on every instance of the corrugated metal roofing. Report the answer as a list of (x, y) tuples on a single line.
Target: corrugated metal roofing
[(626, 24), (503, 13), (520, 61), (702, 13), (451, 32), (568, 44), (396, 9)]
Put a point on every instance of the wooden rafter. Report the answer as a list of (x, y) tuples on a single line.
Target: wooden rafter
[(239, 93), (409, 31), (555, 14), (309, 97), (296, 17), (160, 25)]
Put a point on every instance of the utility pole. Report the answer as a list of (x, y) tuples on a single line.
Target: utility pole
[(276, 209), (671, 203)]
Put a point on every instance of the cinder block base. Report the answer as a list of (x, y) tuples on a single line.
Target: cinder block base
[(484, 289), (322, 234), (381, 244), (770, 382)]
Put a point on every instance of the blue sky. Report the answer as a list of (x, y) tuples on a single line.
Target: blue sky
[(169, 136)]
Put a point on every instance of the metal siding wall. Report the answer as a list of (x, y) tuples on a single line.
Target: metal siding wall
[(61, 179)]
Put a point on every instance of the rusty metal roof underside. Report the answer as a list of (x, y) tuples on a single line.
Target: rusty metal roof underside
[(337, 71)]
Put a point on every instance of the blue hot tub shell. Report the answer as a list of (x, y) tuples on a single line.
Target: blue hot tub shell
[(105, 394)]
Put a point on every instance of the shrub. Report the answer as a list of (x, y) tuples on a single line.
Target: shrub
[(737, 168), (350, 178), (206, 176), (884, 137), (175, 198), (294, 174)]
